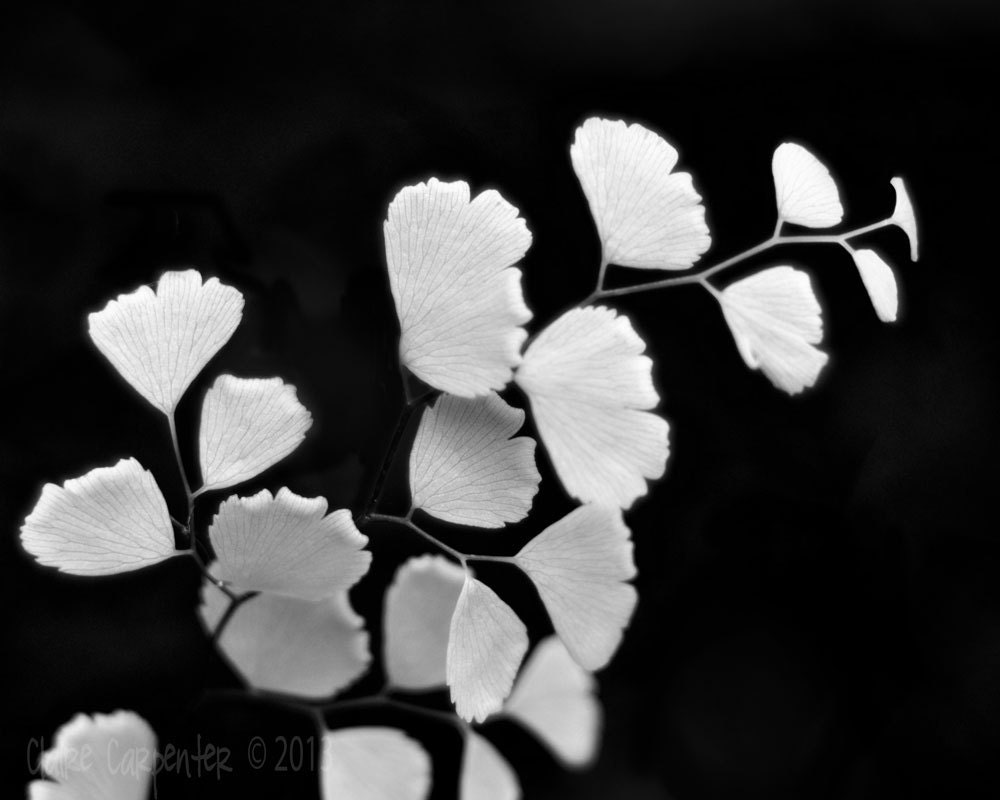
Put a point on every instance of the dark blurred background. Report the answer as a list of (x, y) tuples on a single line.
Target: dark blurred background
[(819, 577)]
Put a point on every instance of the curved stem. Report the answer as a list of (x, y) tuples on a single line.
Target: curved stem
[(394, 702)]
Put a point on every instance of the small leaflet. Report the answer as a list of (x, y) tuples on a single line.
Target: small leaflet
[(113, 519), (806, 192), (247, 425), (580, 566), (776, 321), (418, 610), (485, 648), (465, 467), (904, 216), (590, 388), (554, 698), (458, 295), (160, 341), (106, 756), (485, 774), (880, 283), (284, 644), (647, 215), (288, 545), (373, 763)]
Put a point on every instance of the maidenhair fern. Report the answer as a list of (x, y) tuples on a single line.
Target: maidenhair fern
[(278, 568)]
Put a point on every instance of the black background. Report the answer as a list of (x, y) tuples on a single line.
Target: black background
[(819, 577)]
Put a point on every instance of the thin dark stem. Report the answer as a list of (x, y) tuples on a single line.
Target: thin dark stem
[(394, 702), (234, 604), (459, 556), (318, 710), (406, 384), (273, 698), (184, 480), (208, 576), (702, 276), (390, 454)]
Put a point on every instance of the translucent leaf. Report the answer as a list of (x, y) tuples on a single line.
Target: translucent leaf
[(485, 774), (160, 341), (373, 763), (418, 609), (554, 698), (247, 425), (485, 649), (457, 294), (776, 321), (589, 386), (879, 282), (113, 519), (285, 545), (580, 565), (284, 644), (465, 468), (807, 194), (904, 217), (104, 757), (647, 216)]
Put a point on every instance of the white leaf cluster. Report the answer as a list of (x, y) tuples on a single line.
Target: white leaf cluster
[(115, 519), (277, 599), (443, 626), (774, 315)]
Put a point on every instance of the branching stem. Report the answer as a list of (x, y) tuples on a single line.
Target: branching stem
[(459, 556), (382, 699), (702, 276), (317, 711), (235, 601)]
